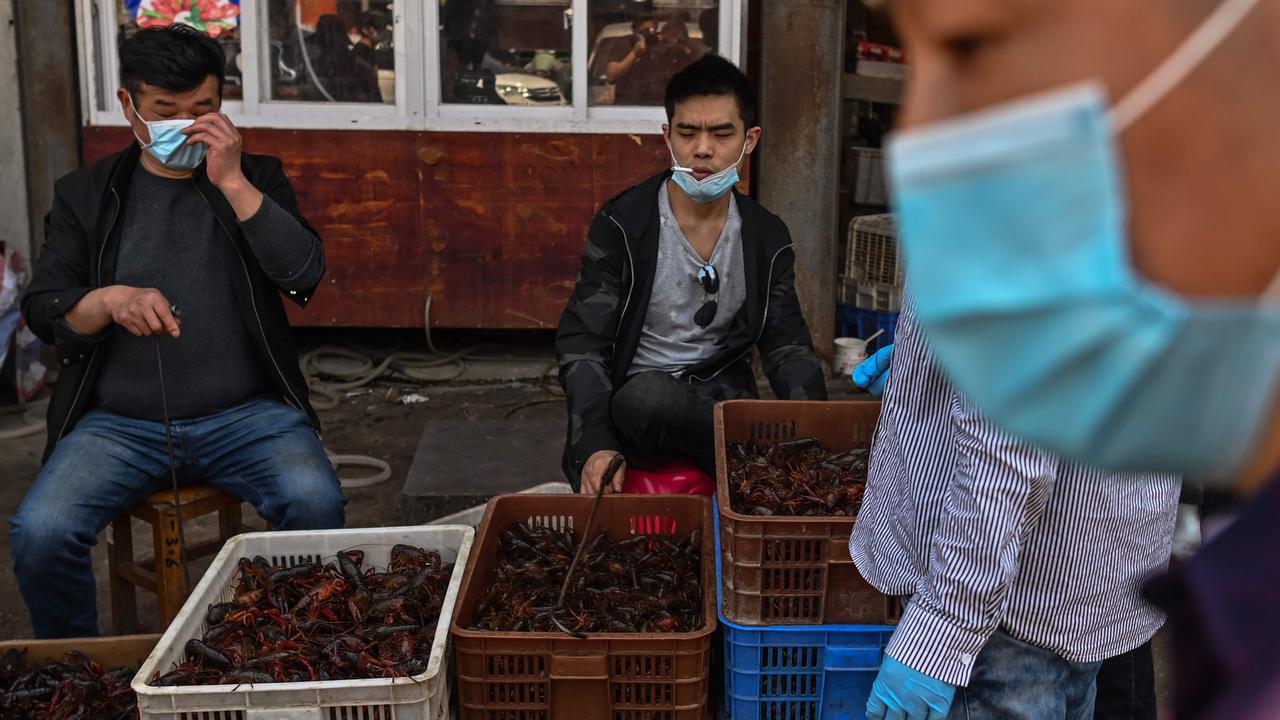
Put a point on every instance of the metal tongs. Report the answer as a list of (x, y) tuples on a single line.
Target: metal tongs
[(614, 465)]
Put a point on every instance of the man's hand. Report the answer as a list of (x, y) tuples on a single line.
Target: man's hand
[(141, 311), (641, 46), (873, 372), (222, 161), (902, 693), (223, 146), (593, 473)]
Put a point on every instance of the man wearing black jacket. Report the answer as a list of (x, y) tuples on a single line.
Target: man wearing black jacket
[(681, 278), (172, 254)]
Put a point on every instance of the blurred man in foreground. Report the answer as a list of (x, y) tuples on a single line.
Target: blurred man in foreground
[(1057, 213)]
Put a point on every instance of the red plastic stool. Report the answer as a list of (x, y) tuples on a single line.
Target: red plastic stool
[(679, 477)]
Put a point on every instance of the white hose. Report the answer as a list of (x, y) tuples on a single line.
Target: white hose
[(383, 469)]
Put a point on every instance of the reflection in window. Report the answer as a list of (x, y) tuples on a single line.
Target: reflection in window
[(219, 19), (635, 52), (331, 50), (512, 52)]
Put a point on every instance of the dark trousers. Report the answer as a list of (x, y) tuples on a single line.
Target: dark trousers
[(1127, 687), (658, 418)]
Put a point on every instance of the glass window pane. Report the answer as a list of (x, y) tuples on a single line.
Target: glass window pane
[(219, 19), (331, 51), (637, 46), (512, 52)]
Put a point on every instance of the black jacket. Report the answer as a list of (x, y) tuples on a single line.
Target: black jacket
[(82, 241), (600, 329)]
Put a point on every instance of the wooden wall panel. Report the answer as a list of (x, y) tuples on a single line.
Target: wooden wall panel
[(489, 224)]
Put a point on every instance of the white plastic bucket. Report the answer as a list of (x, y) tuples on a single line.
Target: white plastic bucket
[(848, 354)]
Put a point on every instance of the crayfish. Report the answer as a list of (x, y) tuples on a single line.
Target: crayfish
[(308, 621), (645, 583), (74, 688), (796, 478)]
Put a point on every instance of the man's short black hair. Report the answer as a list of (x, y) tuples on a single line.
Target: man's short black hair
[(713, 75), (177, 58)]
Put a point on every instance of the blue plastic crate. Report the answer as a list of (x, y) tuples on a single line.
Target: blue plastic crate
[(797, 672), (862, 323)]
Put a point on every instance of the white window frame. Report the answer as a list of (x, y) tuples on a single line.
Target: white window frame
[(417, 107)]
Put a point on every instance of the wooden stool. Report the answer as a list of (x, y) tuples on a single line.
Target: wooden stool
[(162, 573)]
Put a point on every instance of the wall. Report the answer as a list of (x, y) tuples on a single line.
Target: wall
[(14, 221), (490, 225)]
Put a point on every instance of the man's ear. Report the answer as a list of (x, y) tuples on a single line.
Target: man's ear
[(753, 138), (126, 102)]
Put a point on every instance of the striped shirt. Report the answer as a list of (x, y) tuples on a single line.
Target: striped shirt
[(988, 532)]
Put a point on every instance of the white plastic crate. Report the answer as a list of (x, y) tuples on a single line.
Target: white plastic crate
[(421, 697), (871, 253), (473, 516)]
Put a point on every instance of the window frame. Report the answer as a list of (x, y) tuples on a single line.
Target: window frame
[(418, 92)]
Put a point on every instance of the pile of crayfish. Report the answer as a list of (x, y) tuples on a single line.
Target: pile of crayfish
[(75, 688), (650, 584), (796, 478), (338, 621)]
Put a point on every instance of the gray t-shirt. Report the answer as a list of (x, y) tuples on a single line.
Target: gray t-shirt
[(671, 341), (171, 241)]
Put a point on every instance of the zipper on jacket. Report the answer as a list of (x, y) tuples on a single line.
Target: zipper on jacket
[(631, 267), (764, 319), (253, 303), (93, 354)]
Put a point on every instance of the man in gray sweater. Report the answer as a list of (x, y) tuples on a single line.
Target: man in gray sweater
[(175, 254)]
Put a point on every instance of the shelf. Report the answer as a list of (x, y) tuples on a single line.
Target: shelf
[(872, 89)]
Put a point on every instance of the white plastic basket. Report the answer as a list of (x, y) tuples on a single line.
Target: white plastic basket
[(872, 251), (421, 697), (473, 516)]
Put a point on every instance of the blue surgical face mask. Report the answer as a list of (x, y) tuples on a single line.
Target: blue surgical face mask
[(1015, 226), (168, 144), (709, 188)]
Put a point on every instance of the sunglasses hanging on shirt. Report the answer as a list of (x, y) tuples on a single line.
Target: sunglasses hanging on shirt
[(709, 279)]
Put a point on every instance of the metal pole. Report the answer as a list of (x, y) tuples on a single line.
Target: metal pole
[(15, 227), (48, 76), (802, 62)]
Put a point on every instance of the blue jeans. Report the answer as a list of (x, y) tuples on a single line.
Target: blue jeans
[(264, 452), (1014, 680)]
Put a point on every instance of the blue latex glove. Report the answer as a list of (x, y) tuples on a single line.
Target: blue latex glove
[(873, 372), (901, 693)]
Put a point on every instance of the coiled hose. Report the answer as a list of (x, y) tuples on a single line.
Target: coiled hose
[(332, 371), (30, 416)]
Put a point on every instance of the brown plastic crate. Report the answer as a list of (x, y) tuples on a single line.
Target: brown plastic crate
[(793, 570), (614, 676)]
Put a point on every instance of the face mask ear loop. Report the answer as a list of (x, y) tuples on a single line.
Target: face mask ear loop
[(1271, 296), (1189, 56), (740, 155), (134, 109), (675, 164)]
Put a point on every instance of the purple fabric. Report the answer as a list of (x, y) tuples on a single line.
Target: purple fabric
[(1224, 611)]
